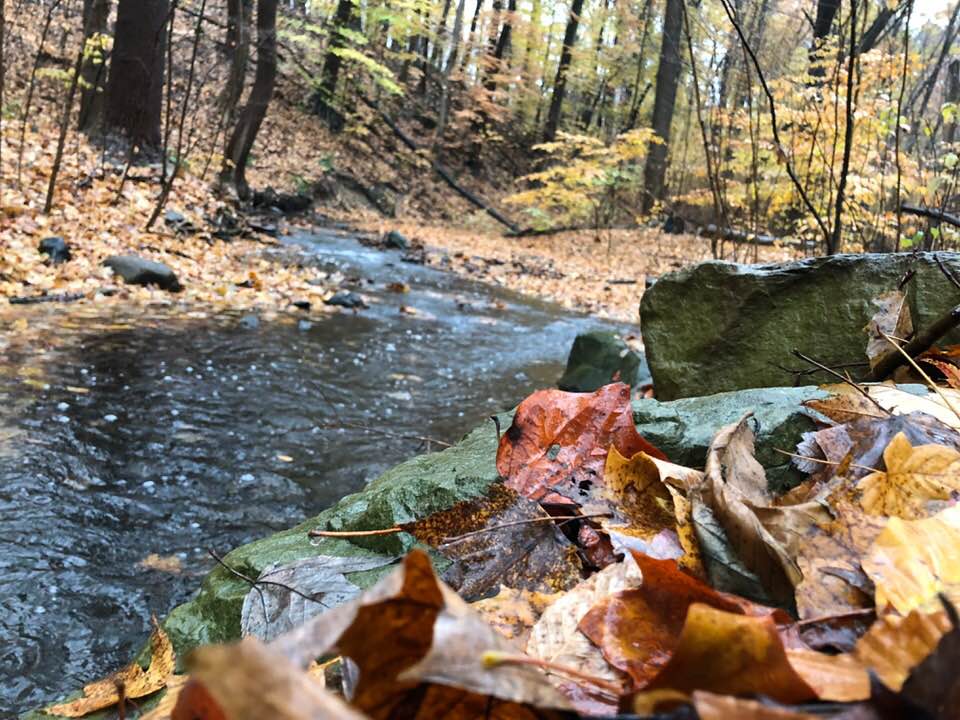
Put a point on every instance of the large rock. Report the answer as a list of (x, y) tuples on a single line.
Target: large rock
[(136, 270), (56, 248), (684, 428), (717, 326), (600, 358)]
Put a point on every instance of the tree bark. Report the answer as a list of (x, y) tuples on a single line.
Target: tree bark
[(668, 76), (233, 174), (560, 84), (952, 95), (324, 99), (238, 45), (93, 71), (448, 67), (135, 86), (826, 12)]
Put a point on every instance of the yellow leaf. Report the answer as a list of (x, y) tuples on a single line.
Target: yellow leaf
[(135, 681), (836, 678), (915, 476), (894, 645), (911, 561)]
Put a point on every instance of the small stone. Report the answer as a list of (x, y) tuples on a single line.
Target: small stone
[(56, 248), (396, 240), (110, 418), (346, 299), (136, 270)]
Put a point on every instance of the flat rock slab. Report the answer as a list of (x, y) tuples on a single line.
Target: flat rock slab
[(716, 326), (136, 270)]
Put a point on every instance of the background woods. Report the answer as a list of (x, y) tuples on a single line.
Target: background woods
[(833, 121)]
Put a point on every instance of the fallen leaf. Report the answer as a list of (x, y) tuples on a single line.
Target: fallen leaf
[(912, 561), (500, 537), (934, 684), (637, 629), (894, 645), (164, 709), (164, 563), (835, 678), (556, 637), (943, 405), (915, 479), (136, 681), (950, 371), (249, 681), (892, 318), (285, 458), (732, 654), (556, 447), (735, 483), (711, 706), (420, 646), (286, 596), (513, 613)]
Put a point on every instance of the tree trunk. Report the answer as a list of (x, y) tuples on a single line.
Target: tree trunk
[(233, 174), (448, 67), (826, 12), (953, 96), (560, 84), (238, 45), (636, 97), (668, 76), (324, 98), (93, 71), (135, 87)]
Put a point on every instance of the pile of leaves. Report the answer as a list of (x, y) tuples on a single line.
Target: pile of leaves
[(599, 578)]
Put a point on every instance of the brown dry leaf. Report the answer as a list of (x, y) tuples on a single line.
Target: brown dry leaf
[(164, 563), (835, 678), (892, 318), (136, 681), (912, 561), (732, 654), (829, 557), (895, 645), (944, 406), (950, 371), (556, 638), (710, 706), (734, 484), (249, 681), (915, 480), (556, 448), (633, 491), (844, 405), (692, 559), (419, 645), (164, 708), (637, 629), (500, 538), (513, 613)]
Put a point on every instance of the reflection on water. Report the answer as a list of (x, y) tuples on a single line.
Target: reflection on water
[(123, 436)]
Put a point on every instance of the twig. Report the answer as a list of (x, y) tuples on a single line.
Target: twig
[(354, 533), (256, 583), (947, 272), (924, 375), (840, 616), (824, 461), (528, 521), (920, 343), (492, 659), (841, 378)]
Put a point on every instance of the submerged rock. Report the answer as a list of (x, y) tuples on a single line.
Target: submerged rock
[(718, 326), (136, 270), (396, 240), (56, 248), (346, 299), (599, 358)]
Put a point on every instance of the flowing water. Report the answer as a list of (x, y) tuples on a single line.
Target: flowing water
[(155, 432)]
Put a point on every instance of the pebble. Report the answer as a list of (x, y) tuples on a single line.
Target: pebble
[(110, 418), (63, 407)]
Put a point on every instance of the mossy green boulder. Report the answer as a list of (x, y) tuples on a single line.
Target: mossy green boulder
[(599, 358), (717, 327)]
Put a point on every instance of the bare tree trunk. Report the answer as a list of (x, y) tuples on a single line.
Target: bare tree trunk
[(952, 95), (64, 124), (135, 86), (826, 12), (668, 76), (238, 45), (233, 174), (560, 84), (94, 70), (447, 72), (636, 97), (473, 31), (835, 243), (325, 97)]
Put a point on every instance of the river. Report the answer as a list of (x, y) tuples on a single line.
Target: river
[(126, 433)]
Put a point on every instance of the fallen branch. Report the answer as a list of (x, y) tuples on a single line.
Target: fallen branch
[(921, 342), (439, 170), (33, 300), (931, 213), (529, 521)]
